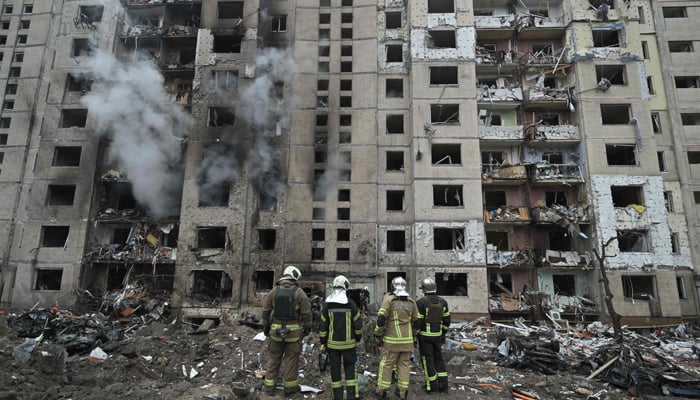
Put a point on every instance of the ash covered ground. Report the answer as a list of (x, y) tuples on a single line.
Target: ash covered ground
[(94, 357)]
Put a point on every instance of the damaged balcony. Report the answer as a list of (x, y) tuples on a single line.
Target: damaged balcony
[(490, 59), (547, 130), (500, 125), (155, 3), (556, 173), (116, 202), (548, 98), (629, 206), (498, 93), (510, 215), (503, 174), (560, 214), (128, 280), (562, 258), (178, 86), (501, 166), (180, 18), (210, 286), (134, 243), (508, 258)]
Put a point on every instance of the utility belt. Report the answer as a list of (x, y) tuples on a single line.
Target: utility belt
[(286, 330)]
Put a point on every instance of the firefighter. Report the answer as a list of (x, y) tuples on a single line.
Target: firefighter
[(286, 320), (434, 317), (397, 323), (341, 330)]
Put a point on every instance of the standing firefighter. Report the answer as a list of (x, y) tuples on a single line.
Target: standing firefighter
[(286, 319), (341, 329), (434, 320), (397, 321)]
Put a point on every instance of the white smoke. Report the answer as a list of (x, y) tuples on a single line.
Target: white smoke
[(129, 105), (218, 169)]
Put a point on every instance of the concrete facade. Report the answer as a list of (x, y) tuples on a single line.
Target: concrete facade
[(199, 146)]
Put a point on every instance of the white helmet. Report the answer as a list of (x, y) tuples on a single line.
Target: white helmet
[(341, 282), (292, 272), (399, 285)]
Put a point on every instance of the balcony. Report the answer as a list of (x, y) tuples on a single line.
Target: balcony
[(502, 97), (500, 174), (134, 243), (494, 61), (561, 215), (512, 134), (550, 134), (546, 98), (155, 3), (508, 258), (558, 258), (556, 173), (509, 215)]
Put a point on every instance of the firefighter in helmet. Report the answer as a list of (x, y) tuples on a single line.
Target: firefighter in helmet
[(286, 320), (397, 324), (434, 317), (341, 330)]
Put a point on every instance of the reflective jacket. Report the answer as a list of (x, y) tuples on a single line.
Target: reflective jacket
[(341, 325), (397, 323), (287, 330), (433, 325)]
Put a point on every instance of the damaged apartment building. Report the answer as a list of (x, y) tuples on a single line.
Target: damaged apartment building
[(196, 147)]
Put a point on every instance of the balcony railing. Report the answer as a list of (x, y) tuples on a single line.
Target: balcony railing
[(558, 258), (508, 215), (538, 97), (497, 132), (508, 258), (499, 95), (499, 172), (558, 214), (565, 173), (554, 133)]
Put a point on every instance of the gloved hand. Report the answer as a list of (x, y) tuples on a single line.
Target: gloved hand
[(266, 330)]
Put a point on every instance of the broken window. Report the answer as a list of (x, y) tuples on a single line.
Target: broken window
[(73, 117), (394, 53), (221, 116), (267, 202), (448, 239), (266, 239), (395, 200), (66, 156), (564, 285), (483, 13), (690, 119), (668, 201), (447, 196), (446, 154), (498, 239), (492, 160), (656, 122), (324, 34), (500, 282), (441, 6), (451, 284), (639, 287), (342, 254), (442, 39), (78, 83), (81, 47), (606, 38), (60, 195), (694, 157), (394, 88), (615, 114), (621, 154), (553, 157), (559, 240), (494, 199), (662, 161), (54, 236), (319, 213), (390, 277), (551, 198), (396, 241), (230, 9), (211, 284), (444, 113), (687, 82), (615, 74), (346, 33), (264, 280), (645, 49), (650, 85), (674, 12), (394, 124), (321, 120), (632, 241), (225, 79), (674, 243), (318, 253), (318, 235), (344, 175), (343, 194), (680, 285), (324, 18), (279, 23), (227, 43), (48, 279), (394, 161), (211, 237), (443, 75), (344, 137), (393, 20), (344, 213), (91, 14), (346, 51), (682, 46), (346, 18), (342, 235)]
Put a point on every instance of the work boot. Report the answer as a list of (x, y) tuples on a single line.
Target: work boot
[(443, 384), (380, 394), (337, 394)]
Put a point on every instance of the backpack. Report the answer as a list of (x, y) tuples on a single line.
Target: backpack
[(434, 316), (284, 303)]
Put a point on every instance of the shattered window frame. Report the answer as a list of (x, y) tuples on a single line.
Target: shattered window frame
[(393, 19), (210, 237), (278, 24), (450, 152), (396, 240), (682, 289), (230, 9), (452, 283), (225, 78), (633, 241), (607, 37), (264, 280), (447, 114), (645, 282), (54, 236), (448, 239), (621, 154), (51, 277), (93, 12)]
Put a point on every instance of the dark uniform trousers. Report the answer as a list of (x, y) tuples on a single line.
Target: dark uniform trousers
[(343, 360), (433, 363)]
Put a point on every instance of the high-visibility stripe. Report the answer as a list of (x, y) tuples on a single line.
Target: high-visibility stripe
[(269, 382), (291, 383)]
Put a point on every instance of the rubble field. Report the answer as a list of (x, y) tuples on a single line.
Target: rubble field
[(140, 350)]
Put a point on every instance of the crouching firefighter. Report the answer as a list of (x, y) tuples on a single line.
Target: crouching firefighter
[(286, 319), (341, 330), (434, 317)]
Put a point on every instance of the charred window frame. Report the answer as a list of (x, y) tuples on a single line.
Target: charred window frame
[(227, 43), (60, 195), (78, 83), (48, 278), (448, 239), (680, 46), (441, 6), (394, 53), (559, 240), (230, 9), (211, 284), (639, 287), (447, 196), (452, 283), (54, 236), (221, 116), (264, 280), (444, 75), (393, 20), (442, 39), (91, 13), (687, 82), (81, 47), (73, 117), (396, 241), (607, 38), (446, 154), (279, 24), (214, 237), (555, 197), (500, 282), (621, 154), (564, 285), (499, 239), (494, 199), (395, 200), (633, 241), (66, 156), (615, 74), (444, 113), (267, 239), (395, 124)]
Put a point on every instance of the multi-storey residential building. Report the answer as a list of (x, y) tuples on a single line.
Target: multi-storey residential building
[(195, 147)]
